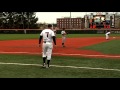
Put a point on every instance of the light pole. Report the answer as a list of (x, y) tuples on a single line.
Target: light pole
[(23, 22), (28, 19), (70, 21)]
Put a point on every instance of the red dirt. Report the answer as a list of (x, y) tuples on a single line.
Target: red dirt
[(72, 44)]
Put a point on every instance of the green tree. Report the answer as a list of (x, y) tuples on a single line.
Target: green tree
[(20, 20)]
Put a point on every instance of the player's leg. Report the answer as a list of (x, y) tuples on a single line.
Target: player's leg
[(49, 54), (63, 41), (44, 61), (44, 50), (107, 36)]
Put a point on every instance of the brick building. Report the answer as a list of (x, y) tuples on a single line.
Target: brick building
[(70, 23), (117, 21)]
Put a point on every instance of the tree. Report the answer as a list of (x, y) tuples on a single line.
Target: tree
[(21, 20), (31, 20), (3, 19)]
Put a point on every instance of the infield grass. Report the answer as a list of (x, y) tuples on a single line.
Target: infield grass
[(110, 47)]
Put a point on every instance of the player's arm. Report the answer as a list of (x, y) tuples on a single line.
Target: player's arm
[(54, 40), (66, 32), (40, 39)]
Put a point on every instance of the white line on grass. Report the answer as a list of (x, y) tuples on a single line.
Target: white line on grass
[(87, 55), (110, 56), (105, 69)]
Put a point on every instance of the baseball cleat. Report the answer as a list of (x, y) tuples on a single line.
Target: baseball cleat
[(47, 67), (63, 46), (44, 65)]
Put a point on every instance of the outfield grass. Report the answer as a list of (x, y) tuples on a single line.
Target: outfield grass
[(18, 36), (36, 36), (110, 47), (17, 71)]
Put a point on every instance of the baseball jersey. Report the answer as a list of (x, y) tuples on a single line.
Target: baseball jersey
[(47, 35), (63, 32), (107, 33)]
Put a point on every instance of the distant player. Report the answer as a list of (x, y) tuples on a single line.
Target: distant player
[(55, 31), (63, 33), (47, 46), (107, 35)]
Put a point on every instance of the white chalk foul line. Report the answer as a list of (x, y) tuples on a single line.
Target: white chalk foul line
[(22, 64), (87, 55), (64, 54)]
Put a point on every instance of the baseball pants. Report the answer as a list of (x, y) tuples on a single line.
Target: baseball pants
[(63, 39), (47, 50), (107, 36)]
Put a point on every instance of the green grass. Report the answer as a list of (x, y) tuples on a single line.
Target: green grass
[(87, 35), (18, 36), (17, 71), (110, 47), (36, 36)]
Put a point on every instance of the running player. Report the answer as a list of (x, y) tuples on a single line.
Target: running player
[(47, 46), (63, 33), (107, 35)]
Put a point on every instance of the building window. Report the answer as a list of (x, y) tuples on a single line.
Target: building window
[(62, 25)]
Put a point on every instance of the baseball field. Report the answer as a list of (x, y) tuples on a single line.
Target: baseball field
[(85, 56)]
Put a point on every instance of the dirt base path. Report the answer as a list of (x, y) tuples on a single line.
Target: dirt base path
[(72, 47)]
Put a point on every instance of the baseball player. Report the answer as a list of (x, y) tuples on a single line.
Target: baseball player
[(107, 35), (63, 33), (55, 31), (47, 46)]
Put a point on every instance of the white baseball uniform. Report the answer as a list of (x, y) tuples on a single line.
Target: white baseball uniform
[(107, 35), (47, 43), (63, 33)]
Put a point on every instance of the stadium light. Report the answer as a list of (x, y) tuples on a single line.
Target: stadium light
[(70, 21)]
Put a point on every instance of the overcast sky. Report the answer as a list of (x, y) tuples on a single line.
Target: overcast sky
[(50, 17)]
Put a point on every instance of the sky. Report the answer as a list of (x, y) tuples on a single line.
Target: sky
[(51, 17)]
